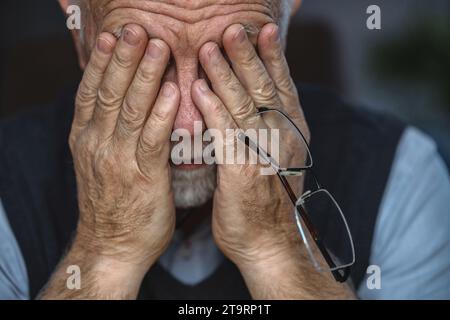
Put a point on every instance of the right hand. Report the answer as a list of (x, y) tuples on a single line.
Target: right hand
[(120, 142)]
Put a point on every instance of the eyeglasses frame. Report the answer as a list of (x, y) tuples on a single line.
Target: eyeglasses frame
[(341, 273)]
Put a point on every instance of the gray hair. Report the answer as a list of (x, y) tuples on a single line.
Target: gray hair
[(285, 17)]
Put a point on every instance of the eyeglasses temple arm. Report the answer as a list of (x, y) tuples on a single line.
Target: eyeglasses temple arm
[(340, 275)]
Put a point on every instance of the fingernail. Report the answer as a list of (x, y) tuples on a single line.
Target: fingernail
[(153, 49), (240, 36), (275, 34), (213, 52), (168, 90), (130, 37), (203, 86), (104, 45)]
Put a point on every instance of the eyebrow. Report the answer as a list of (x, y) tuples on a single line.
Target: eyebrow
[(251, 29), (117, 32)]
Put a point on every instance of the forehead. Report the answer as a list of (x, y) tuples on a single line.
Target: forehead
[(185, 4), (189, 11), (193, 21)]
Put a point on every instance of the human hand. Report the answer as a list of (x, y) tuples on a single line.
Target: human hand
[(120, 142), (252, 218)]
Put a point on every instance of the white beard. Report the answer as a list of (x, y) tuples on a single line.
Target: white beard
[(193, 188)]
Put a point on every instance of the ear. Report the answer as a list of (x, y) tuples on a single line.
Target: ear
[(82, 60), (295, 6)]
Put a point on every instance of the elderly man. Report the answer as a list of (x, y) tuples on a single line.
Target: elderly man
[(108, 203)]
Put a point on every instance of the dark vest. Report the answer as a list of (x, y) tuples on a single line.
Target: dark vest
[(353, 151)]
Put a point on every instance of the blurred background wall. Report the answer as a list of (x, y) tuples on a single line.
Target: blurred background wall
[(403, 69)]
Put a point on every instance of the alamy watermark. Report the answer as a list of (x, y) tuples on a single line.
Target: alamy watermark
[(73, 21), (214, 146), (73, 282), (373, 281), (374, 19)]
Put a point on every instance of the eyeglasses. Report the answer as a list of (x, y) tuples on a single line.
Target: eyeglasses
[(315, 210)]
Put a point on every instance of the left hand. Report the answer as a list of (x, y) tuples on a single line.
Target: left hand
[(253, 219)]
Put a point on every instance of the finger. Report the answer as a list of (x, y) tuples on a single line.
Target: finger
[(118, 77), (248, 67), (227, 86), (154, 142), (217, 117), (92, 78), (214, 112), (271, 52), (142, 93)]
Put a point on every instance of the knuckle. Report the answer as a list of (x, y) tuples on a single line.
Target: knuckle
[(72, 142), (88, 141), (130, 114), (236, 88), (285, 82), (283, 79), (228, 79), (104, 161), (217, 108), (108, 98), (124, 130), (248, 59), (244, 110), (146, 75), (83, 147), (159, 117), (85, 95), (128, 124), (266, 85), (91, 74), (149, 145), (277, 56), (95, 70), (266, 90), (122, 61), (225, 76)]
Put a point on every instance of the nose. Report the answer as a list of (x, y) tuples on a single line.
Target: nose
[(186, 71)]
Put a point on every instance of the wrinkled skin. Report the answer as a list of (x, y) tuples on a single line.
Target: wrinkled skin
[(252, 215), (120, 155), (189, 31), (120, 142), (185, 26)]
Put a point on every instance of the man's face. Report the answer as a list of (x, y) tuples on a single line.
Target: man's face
[(185, 25)]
